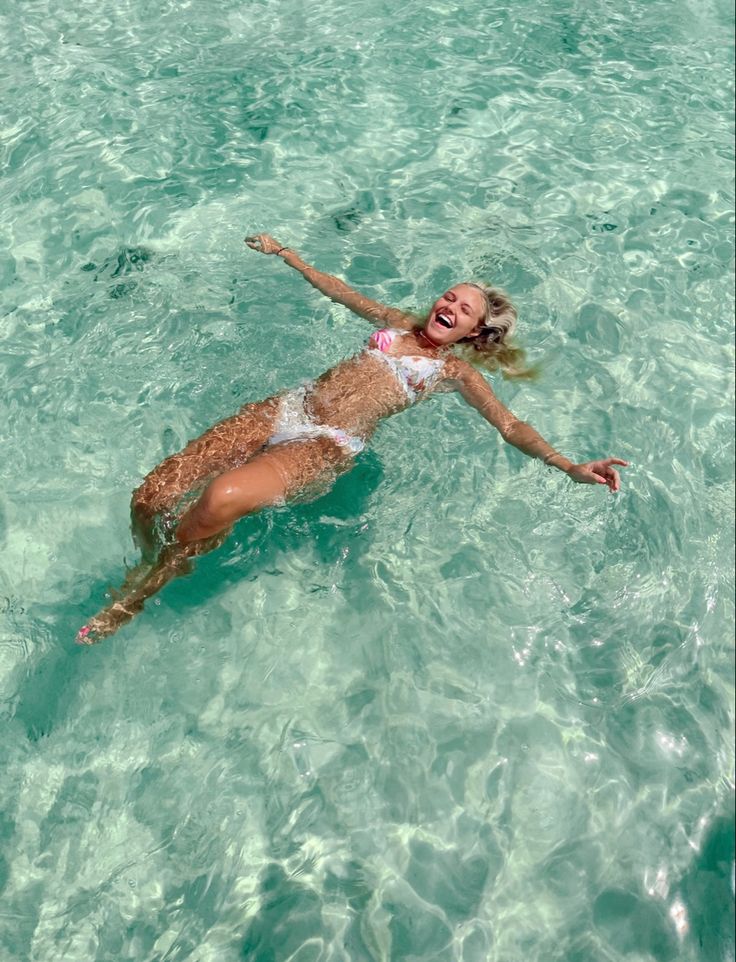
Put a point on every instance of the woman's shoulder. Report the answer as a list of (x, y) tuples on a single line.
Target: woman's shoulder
[(458, 367), (461, 374)]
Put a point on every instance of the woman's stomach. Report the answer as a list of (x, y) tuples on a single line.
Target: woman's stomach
[(355, 395)]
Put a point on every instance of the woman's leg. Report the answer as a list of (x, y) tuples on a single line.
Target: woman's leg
[(273, 477), (227, 445), (141, 583)]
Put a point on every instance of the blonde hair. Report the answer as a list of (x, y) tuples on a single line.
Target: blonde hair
[(492, 348)]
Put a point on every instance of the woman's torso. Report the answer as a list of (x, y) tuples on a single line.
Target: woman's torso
[(393, 372)]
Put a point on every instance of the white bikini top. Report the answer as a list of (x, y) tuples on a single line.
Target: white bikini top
[(416, 374)]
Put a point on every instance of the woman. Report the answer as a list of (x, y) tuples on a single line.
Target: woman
[(299, 441)]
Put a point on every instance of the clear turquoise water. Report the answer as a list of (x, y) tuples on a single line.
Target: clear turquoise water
[(459, 709)]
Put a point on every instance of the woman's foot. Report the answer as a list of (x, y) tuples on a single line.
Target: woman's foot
[(142, 582), (107, 622)]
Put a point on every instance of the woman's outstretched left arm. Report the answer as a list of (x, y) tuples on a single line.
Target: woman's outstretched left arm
[(332, 287), (479, 395)]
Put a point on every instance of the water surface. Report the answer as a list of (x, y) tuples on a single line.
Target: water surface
[(459, 709)]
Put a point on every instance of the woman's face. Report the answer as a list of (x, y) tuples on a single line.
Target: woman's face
[(455, 315)]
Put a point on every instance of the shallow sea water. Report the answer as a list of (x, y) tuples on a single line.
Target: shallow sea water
[(458, 709)]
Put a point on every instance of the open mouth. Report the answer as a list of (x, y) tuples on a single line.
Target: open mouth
[(444, 320)]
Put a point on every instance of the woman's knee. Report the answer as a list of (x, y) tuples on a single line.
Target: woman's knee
[(219, 505), (223, 501), (242, 491)]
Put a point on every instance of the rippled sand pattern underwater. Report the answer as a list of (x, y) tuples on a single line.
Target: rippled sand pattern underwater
[(458, 710)]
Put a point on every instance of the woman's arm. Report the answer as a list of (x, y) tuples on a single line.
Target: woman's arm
[(479, 395), (337, 290)]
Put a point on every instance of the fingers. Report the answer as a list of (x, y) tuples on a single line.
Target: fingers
[(613, 479), (612, 473), (259, 242), (263, 243), (611, 476), (606, 475), (600, 472), (614, 482)]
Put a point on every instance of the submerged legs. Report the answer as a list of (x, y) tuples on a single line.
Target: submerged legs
[(143, 582), (269, 478), (227, 445)]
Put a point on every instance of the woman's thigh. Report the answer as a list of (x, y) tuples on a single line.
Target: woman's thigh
[(293, 469), (308, 468), (225, 446)]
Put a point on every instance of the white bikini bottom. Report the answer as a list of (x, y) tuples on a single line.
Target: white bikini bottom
[(294, 424)]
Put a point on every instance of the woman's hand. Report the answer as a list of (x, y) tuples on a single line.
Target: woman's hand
[(264, 244), (598, 472)]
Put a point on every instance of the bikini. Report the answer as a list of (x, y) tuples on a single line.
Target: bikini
[(416, 375), (293, 423)]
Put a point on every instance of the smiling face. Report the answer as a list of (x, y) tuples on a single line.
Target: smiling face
[(457, 314)]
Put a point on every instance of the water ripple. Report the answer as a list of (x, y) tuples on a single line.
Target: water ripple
[(461, 715)]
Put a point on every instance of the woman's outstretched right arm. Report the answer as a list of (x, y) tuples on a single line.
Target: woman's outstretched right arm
[(332, 287), (477, 392)]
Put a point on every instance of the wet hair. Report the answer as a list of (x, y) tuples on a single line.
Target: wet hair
[(492, 348)]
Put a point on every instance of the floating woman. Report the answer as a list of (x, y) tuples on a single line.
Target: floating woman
[(302, 439)]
